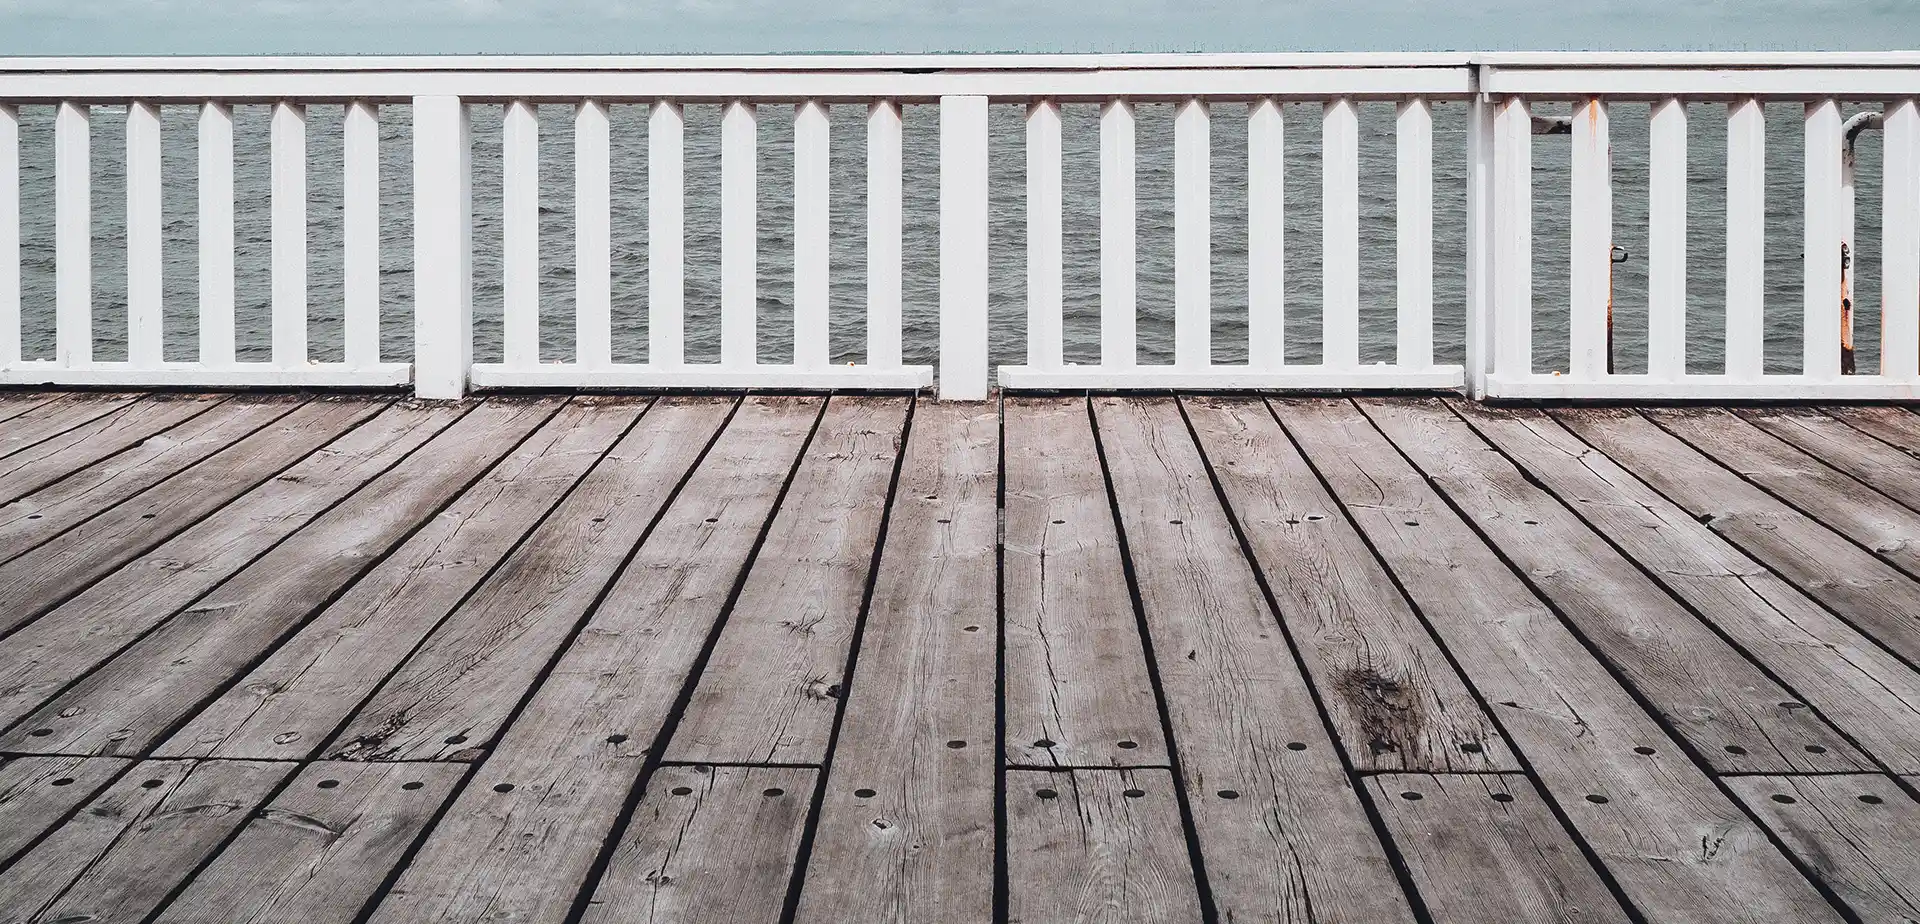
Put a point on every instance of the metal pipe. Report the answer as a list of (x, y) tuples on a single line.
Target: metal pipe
[(1850, 132)]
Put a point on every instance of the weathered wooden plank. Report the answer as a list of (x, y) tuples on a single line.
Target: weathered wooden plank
[(41, 579), (1865, 590), (50, 460), (1735, 716), (1886, 468), (575, 752), (707, 844), (1857, 834), (1896, 426), (1486, 847), (1858, 686), (27, 522), (1076, 673), (321, 849), (142, 691), (57, 416), (773, 682), (1097, 845), (1281, 829), (114, 612), (449, 699), (1396, 702), (17, 403), (288, 705), (37, 792), (118, 858), (1678, 847), (1844, 505), (906, 828)]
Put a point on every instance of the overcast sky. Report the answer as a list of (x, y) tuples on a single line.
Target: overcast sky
[(552, 26)]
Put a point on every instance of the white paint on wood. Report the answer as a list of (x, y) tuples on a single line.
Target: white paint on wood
[(1192, 237), (1821, 249), (9, 235), (1233, 378), (442, 247), (1117, 254), (739, 293), (1340, 233), (198, 375), (73, 234), (1513, 239), (1667, 241), (1591, 277), (1413, 230), (592, 235), (666, 235), (520, 234), (1266, 235), (703, 375), (216, 235), (1900, 242), (361, 203), (1746, 239), (288, 140), (1707, 388), (1045, 338), (811, 128), (883, 234), (963, 248), (143, 235), (1481, 181)]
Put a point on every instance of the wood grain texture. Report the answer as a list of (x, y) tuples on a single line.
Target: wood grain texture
[(27, 522), (773, 682), (1858, 686), (288, 705), (1281, 829), (1814, 488), (36, 793), (1097, 845), (40, 579), (1857, 834), (1395, 700), (1680, 849), (148, 688), (1735, 716), (906, 830), (1076, 673), (450, 699), (16, 403), (1486, 847), (45, 656), (1884, 467), (576, 751), (321, 849), (44, 463), (56, 416), (1895, 426), (120, 856), (1868, 592), (707, 845)]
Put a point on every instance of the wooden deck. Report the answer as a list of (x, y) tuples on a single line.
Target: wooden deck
[(857, 659)]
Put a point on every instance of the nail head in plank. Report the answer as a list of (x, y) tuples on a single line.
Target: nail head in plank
[(37, 792), (1486, 847), (1076, 673), (1394, 698), (923, 851), (710, 844)]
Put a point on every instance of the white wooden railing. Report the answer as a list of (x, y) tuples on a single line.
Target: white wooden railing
[(1498, 91)]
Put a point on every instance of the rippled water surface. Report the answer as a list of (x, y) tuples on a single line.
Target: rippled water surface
[(1081, 171)]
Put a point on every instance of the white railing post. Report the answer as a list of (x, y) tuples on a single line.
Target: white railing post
[(288, 143), (1266, 236), (361, 206), (1192, 236), (9, 235), (1044, 287), (143, 235), (1118, 258), (1667, 241), (963, 248), (442, 247), (592, 235), (811, 130), (1821, 250), (1480, 178), (216, 235), (739, 288), (1900, 265), (884, 132), (520, 235), (1512, 313), (1746, 240), (1340, 234), (73, 235), (666, 235), (1413, 251), (1591, 240)]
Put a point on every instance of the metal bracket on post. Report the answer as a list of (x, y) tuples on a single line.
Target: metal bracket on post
[(442, 247)]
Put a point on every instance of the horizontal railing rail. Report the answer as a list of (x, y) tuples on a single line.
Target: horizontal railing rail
[(1500, 94)]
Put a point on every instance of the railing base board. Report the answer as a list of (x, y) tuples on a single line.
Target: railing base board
[(558, 375), (1704, 388), (193, 375), (1232, 378)]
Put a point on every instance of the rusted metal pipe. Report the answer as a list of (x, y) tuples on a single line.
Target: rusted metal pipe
[(1616, 255), (1850, 132)]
